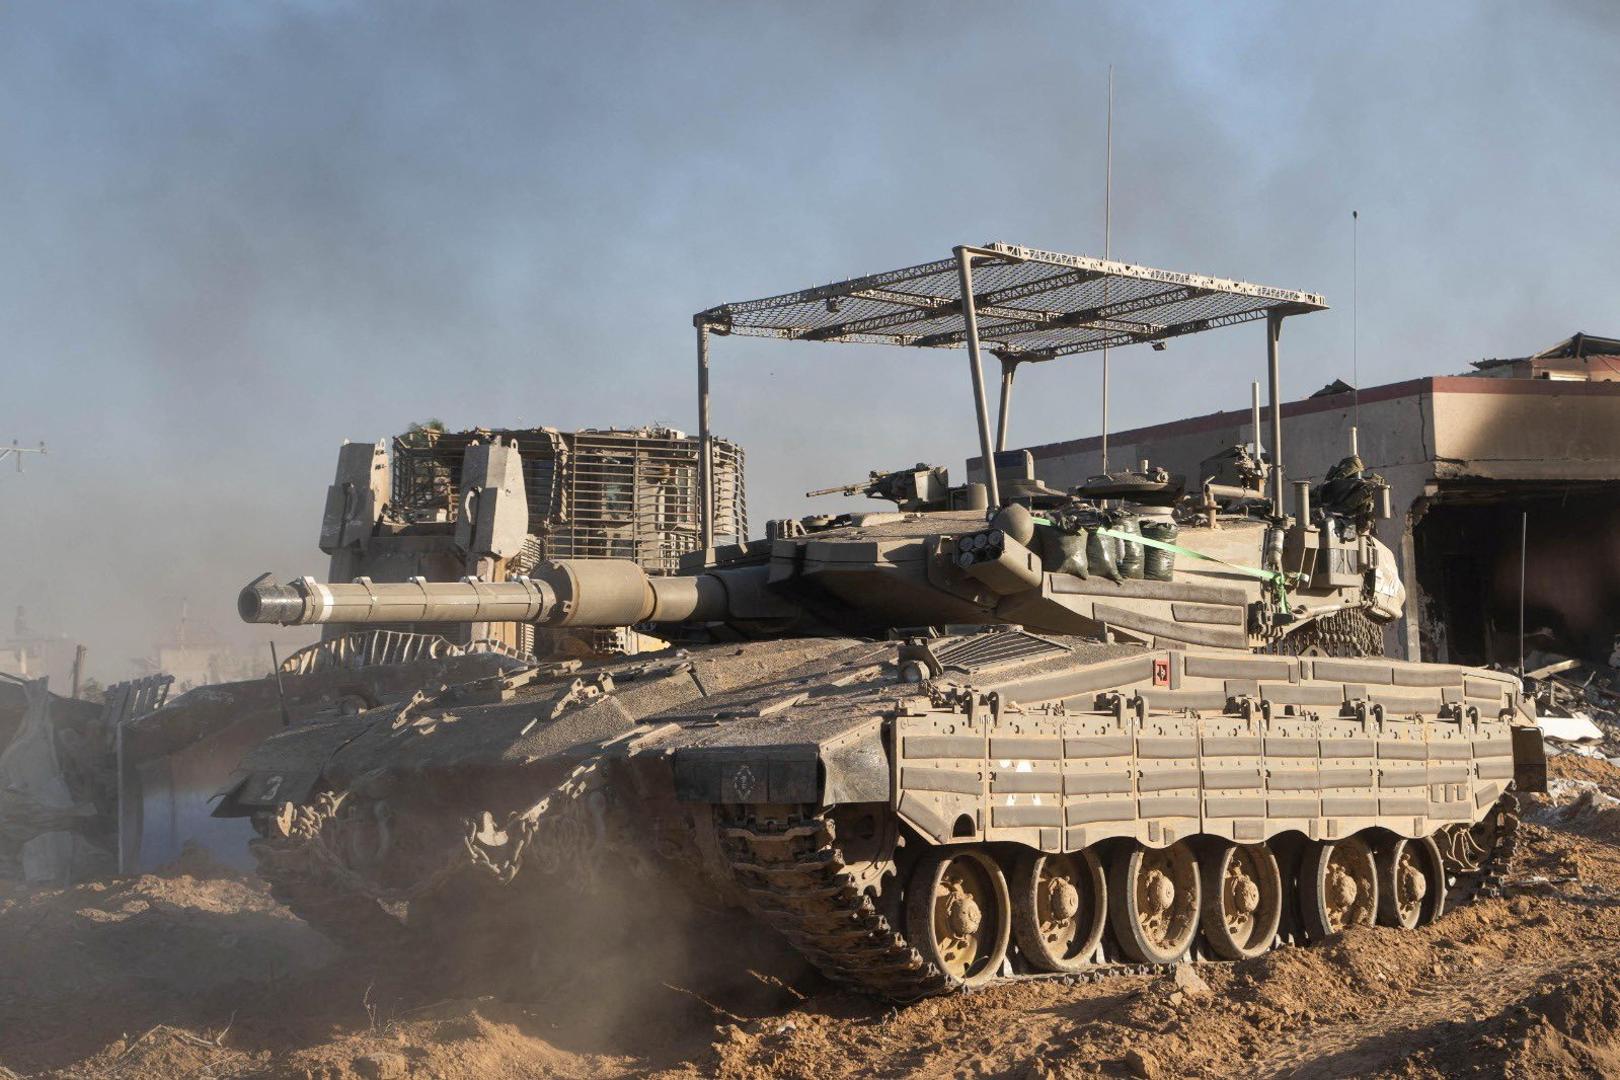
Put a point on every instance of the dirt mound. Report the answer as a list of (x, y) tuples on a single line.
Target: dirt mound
[(1572, 1029), (1370, 1003), (1569, 1028), (163, 976), (83, 967), (205, 976)]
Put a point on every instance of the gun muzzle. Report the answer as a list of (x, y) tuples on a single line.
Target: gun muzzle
[(263, 601)]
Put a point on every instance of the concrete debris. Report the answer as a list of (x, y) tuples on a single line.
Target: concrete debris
[(1577, 704), (1575, 728), (37, 810), (57, 782), (1570, 800)]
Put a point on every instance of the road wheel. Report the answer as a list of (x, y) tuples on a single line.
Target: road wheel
[(1154, 900), (1059, 905), (1411, 883), (958, 913), (1338, 887), (1242, 899)]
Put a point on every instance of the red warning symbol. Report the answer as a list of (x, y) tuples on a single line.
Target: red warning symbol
[(1161, 672)]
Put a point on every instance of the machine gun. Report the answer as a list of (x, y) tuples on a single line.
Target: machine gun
[(924, 487)]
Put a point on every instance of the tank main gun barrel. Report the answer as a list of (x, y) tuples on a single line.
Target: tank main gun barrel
[(570, 592), (306, 601)]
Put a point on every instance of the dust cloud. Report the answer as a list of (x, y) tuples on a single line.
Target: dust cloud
[(238, 235)]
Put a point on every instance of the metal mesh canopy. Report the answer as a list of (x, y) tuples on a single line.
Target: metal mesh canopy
[(1030, 303)]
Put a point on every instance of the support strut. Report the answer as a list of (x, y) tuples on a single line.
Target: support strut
[(970, 322)]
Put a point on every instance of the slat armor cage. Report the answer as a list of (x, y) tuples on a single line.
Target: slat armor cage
[(593, 494)]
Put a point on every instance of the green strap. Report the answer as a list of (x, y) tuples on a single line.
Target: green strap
[(1164, 545), (1278, 580), (1275, 578)]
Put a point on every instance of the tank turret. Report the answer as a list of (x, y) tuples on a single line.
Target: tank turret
[(1126, 571)]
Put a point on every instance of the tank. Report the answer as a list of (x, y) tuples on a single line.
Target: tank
[(923, 752), (1004, 731)]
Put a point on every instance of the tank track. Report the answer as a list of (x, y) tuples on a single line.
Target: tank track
[(794, 878), (351, 919), (1490, 880)]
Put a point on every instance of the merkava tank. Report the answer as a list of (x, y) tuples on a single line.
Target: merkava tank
[(980, 736)]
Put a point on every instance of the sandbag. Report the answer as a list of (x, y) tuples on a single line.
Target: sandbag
[(1073, 550), (1061, 551), (1101, 554), (1130, 553), (1158, 564)]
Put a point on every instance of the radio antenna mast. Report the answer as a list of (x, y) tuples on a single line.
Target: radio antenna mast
[(1355, 321), (1108, 226)]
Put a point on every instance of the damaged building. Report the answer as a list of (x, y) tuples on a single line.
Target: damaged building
[(1519, 446)]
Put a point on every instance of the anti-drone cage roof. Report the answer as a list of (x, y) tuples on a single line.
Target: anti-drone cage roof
[(1029, 303)]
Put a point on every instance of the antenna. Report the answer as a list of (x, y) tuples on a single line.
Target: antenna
[(281, 693), (1524, 549), (18, 451), (1108, 228), (1254, 414), (1355, 318)]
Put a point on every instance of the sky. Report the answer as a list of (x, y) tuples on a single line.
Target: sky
[(234, 234)]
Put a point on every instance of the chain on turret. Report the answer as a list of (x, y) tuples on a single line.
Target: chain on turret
[(1346, 634)]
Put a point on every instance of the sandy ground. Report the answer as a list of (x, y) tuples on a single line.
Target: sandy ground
[(206, 977)]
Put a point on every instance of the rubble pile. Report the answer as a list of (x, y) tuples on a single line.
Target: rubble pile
[(1577, 703)]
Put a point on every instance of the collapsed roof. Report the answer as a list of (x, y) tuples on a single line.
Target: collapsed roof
[(1581, 356)]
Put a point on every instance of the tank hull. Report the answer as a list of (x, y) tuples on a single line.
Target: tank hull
[(915, 815)]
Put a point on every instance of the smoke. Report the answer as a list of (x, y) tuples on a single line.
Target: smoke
[(236, 235)]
